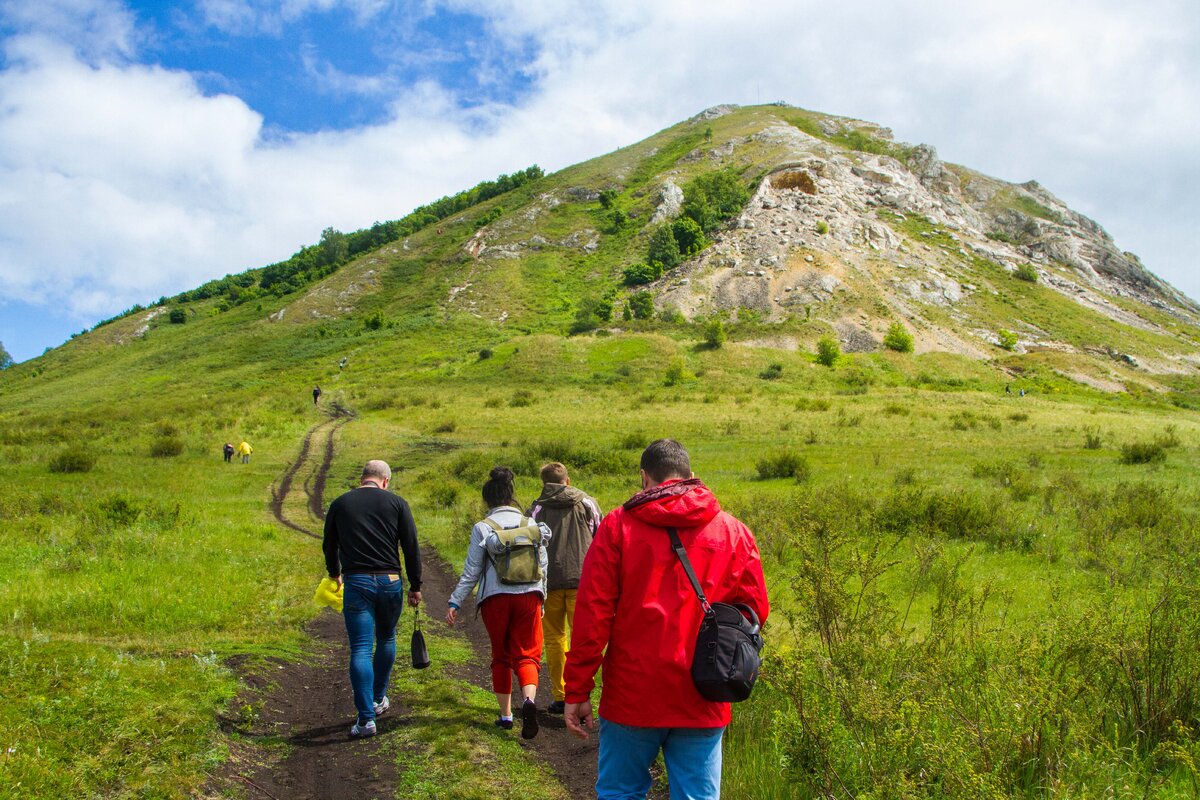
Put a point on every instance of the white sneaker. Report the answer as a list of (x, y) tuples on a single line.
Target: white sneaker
[(362, 730), (382, 706)]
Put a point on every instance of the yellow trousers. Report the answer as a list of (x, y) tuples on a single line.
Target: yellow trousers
[(556, 630)]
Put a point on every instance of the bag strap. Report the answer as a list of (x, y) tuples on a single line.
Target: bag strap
[(526, 522), (681, 553)]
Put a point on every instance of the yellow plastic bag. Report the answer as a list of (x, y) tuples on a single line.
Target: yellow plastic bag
[(329, 594)]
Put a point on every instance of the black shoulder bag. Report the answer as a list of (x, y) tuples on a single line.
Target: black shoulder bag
[(728, 645)]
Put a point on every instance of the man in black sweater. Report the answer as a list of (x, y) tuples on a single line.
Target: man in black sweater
[(365, 530)]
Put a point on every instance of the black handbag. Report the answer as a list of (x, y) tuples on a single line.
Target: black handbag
[(420, 656), (728, 645)]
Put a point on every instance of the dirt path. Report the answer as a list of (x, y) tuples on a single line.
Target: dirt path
[(307, 706)]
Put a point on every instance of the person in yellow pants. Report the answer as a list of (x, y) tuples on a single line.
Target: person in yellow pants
[(573, 516)]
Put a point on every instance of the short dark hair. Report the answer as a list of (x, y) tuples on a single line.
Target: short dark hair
[(554, 472), (666, 458), (498, 490)]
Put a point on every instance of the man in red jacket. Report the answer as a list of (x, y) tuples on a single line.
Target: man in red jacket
[(635, 599)]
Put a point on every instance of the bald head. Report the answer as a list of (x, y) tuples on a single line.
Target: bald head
[(376, 471)]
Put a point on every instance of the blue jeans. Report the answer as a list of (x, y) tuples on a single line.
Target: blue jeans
[(692, 756), (371, 606)]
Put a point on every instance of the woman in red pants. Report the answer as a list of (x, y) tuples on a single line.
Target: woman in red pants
[(510, 585)]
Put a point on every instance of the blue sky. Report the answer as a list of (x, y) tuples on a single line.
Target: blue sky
[(147, 147)]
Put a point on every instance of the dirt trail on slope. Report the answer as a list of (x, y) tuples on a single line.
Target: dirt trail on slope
[(308, 705)]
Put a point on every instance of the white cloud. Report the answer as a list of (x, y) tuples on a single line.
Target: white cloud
[(120, 182)]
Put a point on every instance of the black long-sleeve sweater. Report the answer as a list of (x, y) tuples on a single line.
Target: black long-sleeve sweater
[(365, 530)]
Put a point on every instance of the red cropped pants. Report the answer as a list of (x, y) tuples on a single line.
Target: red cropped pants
[(514, 624)]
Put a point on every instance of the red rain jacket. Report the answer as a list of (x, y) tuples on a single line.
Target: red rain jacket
[(635, 599)]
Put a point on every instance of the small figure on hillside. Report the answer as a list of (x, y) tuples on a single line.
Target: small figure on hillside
[(244, 450), (506, 560), (228, 451), (572, 517), (342, 363), (1022, 393), (365, 531), (638, 613), (1007, 389), (316, 394)]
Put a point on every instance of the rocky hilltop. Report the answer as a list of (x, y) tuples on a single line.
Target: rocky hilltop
[(845, 232)]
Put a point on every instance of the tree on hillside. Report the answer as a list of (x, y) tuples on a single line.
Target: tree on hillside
[(828, 351), (688, 236), (641, 304), (663, 250), (6, 360), (898, 338), (713, 198)]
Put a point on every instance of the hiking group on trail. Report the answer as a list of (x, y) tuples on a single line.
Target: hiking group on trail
[(244, 450), (628, 591)]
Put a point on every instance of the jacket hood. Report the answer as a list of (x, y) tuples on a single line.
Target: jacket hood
[(674, 504), (559, 495)]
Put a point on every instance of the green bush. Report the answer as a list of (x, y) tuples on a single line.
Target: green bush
[(898, 338), (772, 372), (485, 354), (663, 250), (1092, 439), (73, 459), (1007, 339), (714, 198), (714, 333), (449, 426), (1026, 272), (639, 274), (783, 464), (521, 398), (828, 351), (1143, 453), (641, 305), (822, 227), (166, 447), (178, 316), (688, 236)]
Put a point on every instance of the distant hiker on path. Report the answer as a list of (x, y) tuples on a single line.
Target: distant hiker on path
[(342, 363), (637, 612), (316, 394), (365, 531), (244, 450), (228, 451), (572, 517), (506, 564)]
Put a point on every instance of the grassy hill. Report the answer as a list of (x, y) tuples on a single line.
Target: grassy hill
[(977, 593)]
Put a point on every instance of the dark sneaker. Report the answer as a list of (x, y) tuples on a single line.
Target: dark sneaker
[(506, 724), (362, 730), (529, 723), (557, 707)]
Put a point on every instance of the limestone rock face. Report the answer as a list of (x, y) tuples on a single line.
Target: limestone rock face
[(670, 203), (832, 232)]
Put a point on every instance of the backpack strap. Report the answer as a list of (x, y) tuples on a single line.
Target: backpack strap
[(681, 553)]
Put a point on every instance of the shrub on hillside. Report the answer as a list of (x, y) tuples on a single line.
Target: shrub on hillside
[(74, 459), (688, 236), (178, 316), (166, 447), (1006, 339), (641, 305), (1143, 453), (898, 338), (714, 333), (828, 351), (713, 198), (822, 227), (1091, 438), (663, 250), (639, 274), (783, 464), (521, 398), (485, 354), (1026, 272), (772, 372)]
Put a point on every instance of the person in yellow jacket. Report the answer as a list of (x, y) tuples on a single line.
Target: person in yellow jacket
[(244, 450)]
